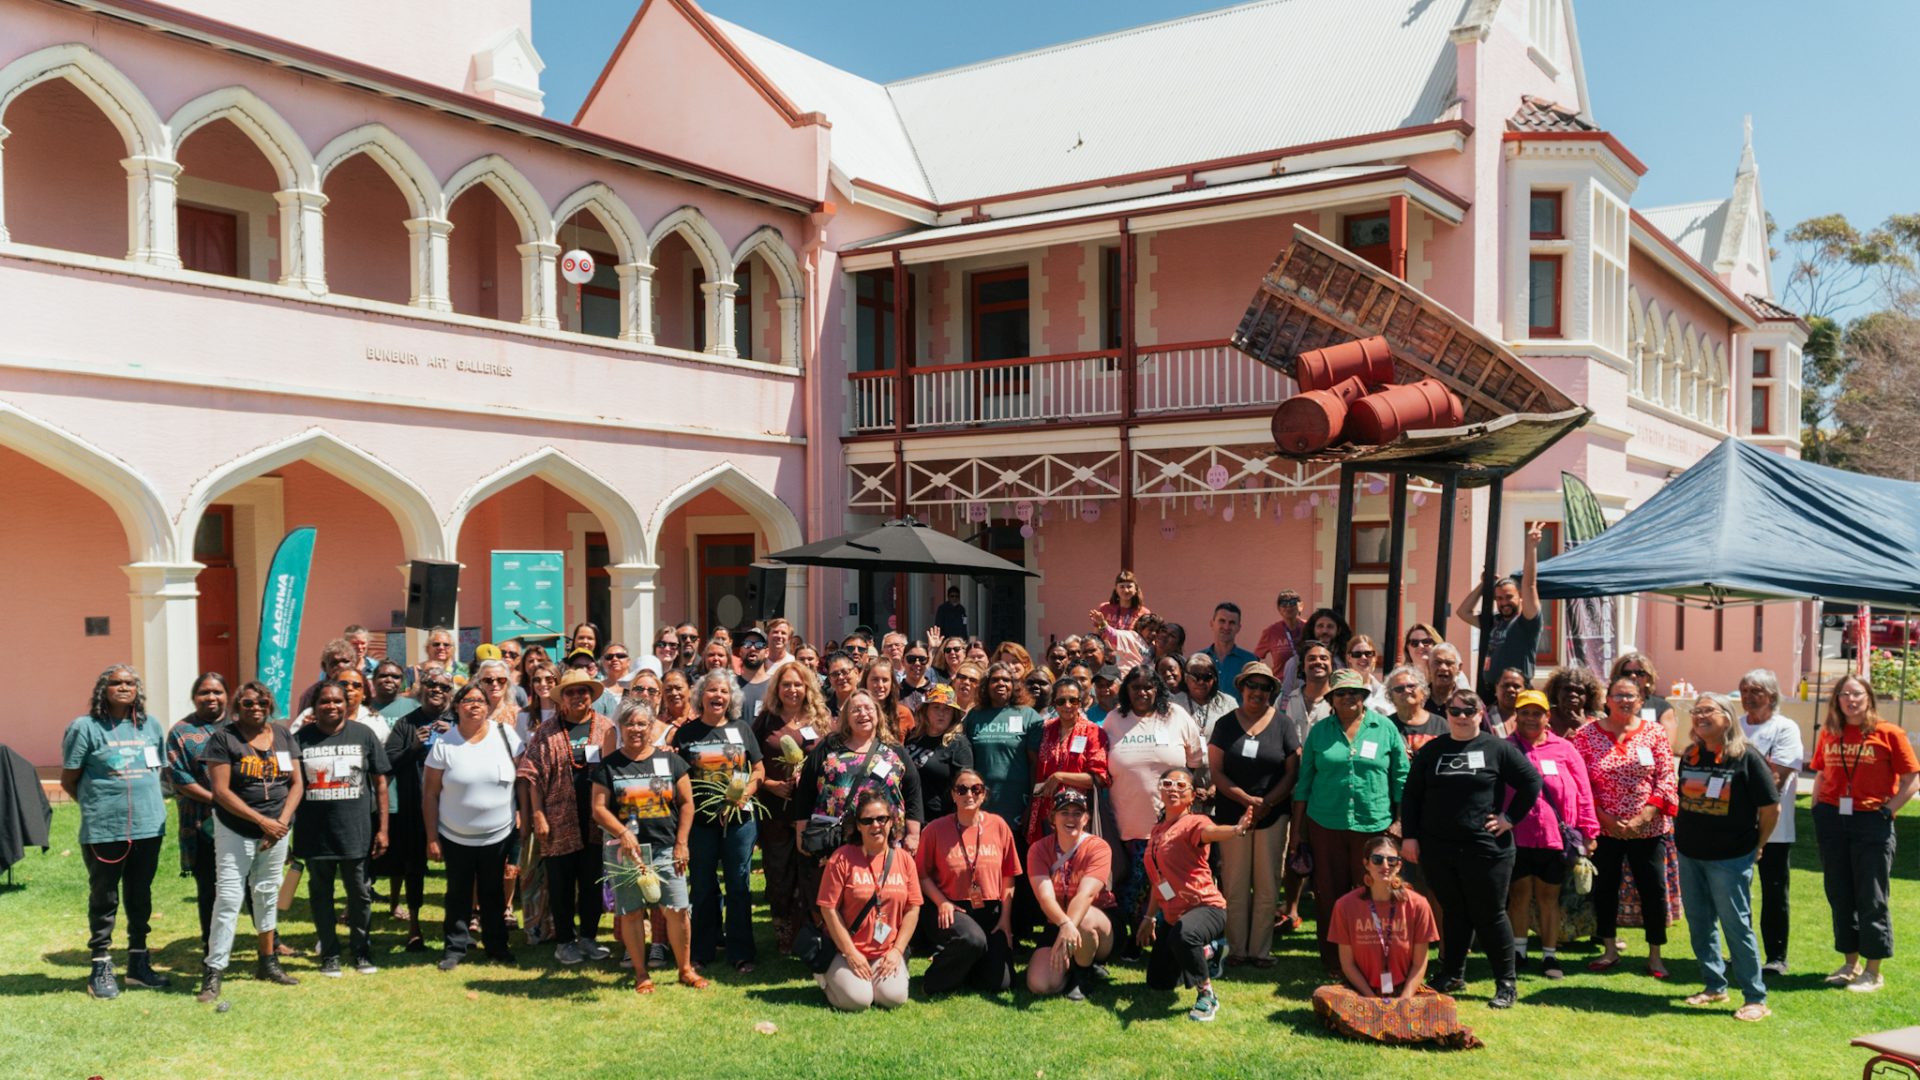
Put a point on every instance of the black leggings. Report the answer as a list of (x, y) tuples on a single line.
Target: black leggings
[(1472, 889), (970, 951), (127, 868), (470, 871), (1180, 949), (1649, 880), (1775, 862)]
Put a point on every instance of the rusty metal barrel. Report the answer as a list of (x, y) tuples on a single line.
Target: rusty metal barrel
[(1383, 415), (1368, 359), (1312, 420)]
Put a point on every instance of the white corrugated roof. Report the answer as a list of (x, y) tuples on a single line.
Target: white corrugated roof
[(1695, 226), (1241, 80)]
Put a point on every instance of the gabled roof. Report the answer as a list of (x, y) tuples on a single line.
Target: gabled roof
[(1200, 88), (1727, 236), (1697, 226), (1539, 114), (1772, 312)]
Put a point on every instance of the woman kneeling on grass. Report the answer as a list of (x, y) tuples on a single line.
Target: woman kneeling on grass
[(643, 802), (1072, 874), (1384, 930), (869, 903), (1181, 891)]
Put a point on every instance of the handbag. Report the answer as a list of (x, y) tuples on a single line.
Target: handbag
[(1107, 830), (1302, 862), (1573, 844), (820, 838), (815, 949)]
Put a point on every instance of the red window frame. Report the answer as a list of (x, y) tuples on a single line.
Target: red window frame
[(1558, 200), (1763, 363), (705, 571), (975, 308), (1359, 565), (209, 240), (1543, 330), (1547, 653), (875, 313), (1760, 410)]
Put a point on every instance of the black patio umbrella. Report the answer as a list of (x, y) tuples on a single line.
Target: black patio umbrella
[(902, 546)]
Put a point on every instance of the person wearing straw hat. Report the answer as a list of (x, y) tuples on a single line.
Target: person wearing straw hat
[(556, 774)]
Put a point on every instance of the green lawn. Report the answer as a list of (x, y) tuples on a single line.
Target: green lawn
[(413, 1020)]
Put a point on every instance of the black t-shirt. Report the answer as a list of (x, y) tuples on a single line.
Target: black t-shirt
[(1720, 803), (937, 763), (1453, 786), (642, 795), (716, 753), (262, 778), (335, 818), (1512, 643), (1258, 774)]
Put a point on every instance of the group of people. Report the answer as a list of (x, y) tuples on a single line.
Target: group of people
[(1013, 819)]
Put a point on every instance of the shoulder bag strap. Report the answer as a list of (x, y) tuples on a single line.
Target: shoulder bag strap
[(873, 901)]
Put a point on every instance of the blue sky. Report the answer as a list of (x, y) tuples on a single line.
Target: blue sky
[(1831, 87)]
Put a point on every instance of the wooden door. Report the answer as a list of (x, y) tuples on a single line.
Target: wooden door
[(219, 593), (724, 562)]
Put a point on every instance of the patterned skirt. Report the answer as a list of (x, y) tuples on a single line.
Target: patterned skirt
[(1426, 1017), (1630, 913)]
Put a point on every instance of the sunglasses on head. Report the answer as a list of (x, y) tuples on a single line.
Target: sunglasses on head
[(1378, 859), (969, 789)]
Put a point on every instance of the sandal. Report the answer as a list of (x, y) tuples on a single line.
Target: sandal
[(400, 913), (1752, 1011), (1707, 997), (644, 986), (1604, 963), (1286, 924), (1656, 972), (691, 979), (1843, 976), (416, 943)]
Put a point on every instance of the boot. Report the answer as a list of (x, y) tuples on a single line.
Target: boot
[(140, 971), (209, 987), (268, 970), (1504, 995), (101, 983)]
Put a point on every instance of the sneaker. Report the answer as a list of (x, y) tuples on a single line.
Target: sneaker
[(1550, 967), (1099, 971), (1774, 967), (593, 950), (568, 953), (450, 961), (330, 966), (140, 971), (1867, 982), (1217, 953), (1205, 1007), (1446, 986), (209, 987), (1504, 996), (363, 965), (101, 983), (268, 970), (658, 957)]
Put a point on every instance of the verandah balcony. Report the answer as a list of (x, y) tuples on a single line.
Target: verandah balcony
[(1194, 378)]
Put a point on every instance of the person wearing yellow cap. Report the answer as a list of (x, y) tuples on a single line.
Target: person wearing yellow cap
[(1557, 832)]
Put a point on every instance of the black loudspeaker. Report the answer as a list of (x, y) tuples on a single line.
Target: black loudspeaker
[(766, 592), (432, 590)]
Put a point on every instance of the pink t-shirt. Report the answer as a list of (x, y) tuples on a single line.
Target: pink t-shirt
[(1091, 858), (1177, 855), (847, 883), (956, 858)]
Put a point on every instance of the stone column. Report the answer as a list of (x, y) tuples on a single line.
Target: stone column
[(636, 303), (165, 606), (303, 240), (537, 302), (719, 316), (152, 220), (3, 183), (427, 255), (632, 586), (790, 312)]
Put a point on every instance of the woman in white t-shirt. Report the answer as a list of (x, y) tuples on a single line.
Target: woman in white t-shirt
[(1778, 740), (1148, 734), (468, 807)]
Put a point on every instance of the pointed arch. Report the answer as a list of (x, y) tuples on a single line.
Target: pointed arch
[(613, 214), (1655, 387), (1674, 390), (770, 245), (514, 190), (132, 496), (1636, 345), (775, 517), (700, 235), (283, 147), (391, 153), (625, 536), (412, 511), (93, 75)]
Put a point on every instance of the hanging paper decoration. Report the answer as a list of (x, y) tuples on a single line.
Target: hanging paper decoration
[(976, 512), (1419, 499), (1313, 499), (1226, 512), (1376, 485), (1090, 513), (1301, 510), (1023, 511), (1026, 532), (1216, 476), (1167, 530)]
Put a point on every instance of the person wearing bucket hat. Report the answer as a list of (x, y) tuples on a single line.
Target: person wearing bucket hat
[(1556, 833), (939, 748), (556, 775), (1353, 768), (1254, 757)]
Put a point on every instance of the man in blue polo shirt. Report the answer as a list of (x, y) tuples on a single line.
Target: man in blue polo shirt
[(1228, 658)]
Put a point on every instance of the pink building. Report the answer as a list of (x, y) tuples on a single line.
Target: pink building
[(252, 284)]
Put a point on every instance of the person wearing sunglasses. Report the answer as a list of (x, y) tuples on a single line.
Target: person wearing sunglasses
[(871, 968), (1384, 931), (750, 658), (556, 775), (666, 649), (917, 675), (688, 635), (968, 862), (1283, 637), (1201, 694), (1559, 830), (948, 653), (794, 712), (1363, 656), (939, 748), (1416, 645), (1185, 920), (1353, 767), (1072, 755), (965, 680), (440, 650), (1254, 758), (1630, 763), (1461, 789), (1638, 666), (1407, 690), (1071, 871)]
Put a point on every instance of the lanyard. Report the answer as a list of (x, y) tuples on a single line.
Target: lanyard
[(1386, 958), (1840, 751), (973, 859)]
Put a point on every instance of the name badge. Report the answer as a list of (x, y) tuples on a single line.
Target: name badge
[(1077, 745), (1017, 724), (731, 735), (1644, 755), (506, 772), (883, 769), (807, 732), (1249, 748), (1368, 749), (1476, 759), (593, 754), (881, 932), (1386, 982), (152, 756), (283, 760), (1715, 786), (1166, 891), (1549, 767), (1162, 737), (342, 770), (1846, 806), (661, 768)]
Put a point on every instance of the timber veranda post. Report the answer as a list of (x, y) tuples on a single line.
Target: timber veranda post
[(1489, 573), (1396, 571), (1343, 543)]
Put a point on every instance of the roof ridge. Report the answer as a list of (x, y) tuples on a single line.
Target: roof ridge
[(1127, 31)]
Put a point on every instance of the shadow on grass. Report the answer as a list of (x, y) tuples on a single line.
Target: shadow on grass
[(35, 985), (540, 985), (1620, 1001)]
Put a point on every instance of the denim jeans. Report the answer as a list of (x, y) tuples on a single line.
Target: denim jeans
[(243, 864), (1717, 894), (713, 851)]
